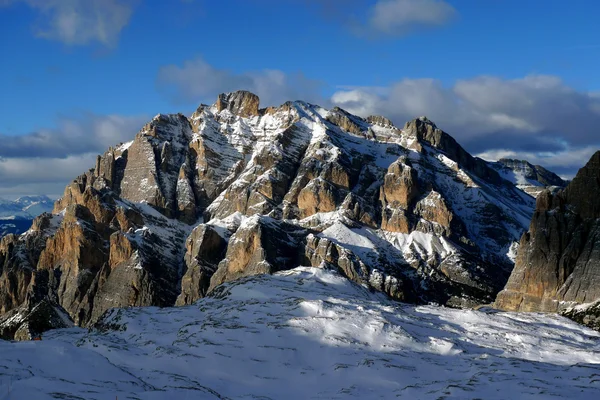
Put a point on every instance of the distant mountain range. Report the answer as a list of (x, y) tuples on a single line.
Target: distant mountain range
[(16, 216), (533, 179)]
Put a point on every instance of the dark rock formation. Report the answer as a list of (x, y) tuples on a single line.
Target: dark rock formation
[(29, 322), (558, 263)]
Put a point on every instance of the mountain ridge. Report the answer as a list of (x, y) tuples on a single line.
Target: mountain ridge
[(236, 190)]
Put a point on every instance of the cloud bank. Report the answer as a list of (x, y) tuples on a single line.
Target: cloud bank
[(43, 162)]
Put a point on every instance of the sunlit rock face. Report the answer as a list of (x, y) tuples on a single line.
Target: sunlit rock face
[(237, 190)]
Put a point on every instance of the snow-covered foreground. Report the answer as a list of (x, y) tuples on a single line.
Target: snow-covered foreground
[(307, 333)]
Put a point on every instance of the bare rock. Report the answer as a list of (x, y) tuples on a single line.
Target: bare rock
[(28, 323), (206, 247), (261, 245), (558, 263), (242, 103)]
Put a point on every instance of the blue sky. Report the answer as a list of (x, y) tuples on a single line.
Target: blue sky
[(506, 78)]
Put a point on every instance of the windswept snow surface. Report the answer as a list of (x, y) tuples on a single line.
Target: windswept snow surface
[(307, 333)]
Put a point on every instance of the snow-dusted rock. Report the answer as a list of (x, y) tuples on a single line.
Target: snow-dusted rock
[(406, 211)]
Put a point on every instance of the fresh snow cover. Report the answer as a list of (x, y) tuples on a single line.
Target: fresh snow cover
[(124, 146), (307, 333)]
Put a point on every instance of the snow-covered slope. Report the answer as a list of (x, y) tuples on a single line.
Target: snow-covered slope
[(301, 334), (532, 179)]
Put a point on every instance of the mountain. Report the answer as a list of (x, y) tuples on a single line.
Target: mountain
[(532, 179), (236, 190), (306, 333), (26, 207), (558, 262), (17, 216)]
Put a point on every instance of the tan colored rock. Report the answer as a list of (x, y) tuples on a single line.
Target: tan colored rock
[(121, 249), (242, 103), (342, 119), (395, 220), (400, 185), (380, 120), (261, 245), (433, 208), (128, 218), (397, 194), (318, 196)]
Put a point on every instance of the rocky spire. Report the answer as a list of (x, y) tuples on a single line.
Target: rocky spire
[(241, 103)]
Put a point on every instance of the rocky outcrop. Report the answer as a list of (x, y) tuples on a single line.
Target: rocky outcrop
[(260, 245), (558, 263), (426, 131), (29, 322), (237, 190), (398, 192), (205, 248), (242, 103)]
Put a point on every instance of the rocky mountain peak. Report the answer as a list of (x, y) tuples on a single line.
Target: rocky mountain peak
[(233, 191), (427, 132), (241, 103)]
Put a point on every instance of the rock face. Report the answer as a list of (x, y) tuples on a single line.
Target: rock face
[(558, 262), (237, 190), (28, 323)]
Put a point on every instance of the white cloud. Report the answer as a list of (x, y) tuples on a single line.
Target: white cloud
[(399, 17), (196, 81), (47, 176), (78, 22)]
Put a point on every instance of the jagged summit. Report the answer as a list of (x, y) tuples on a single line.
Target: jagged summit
[(242, 103), (237, 190)]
